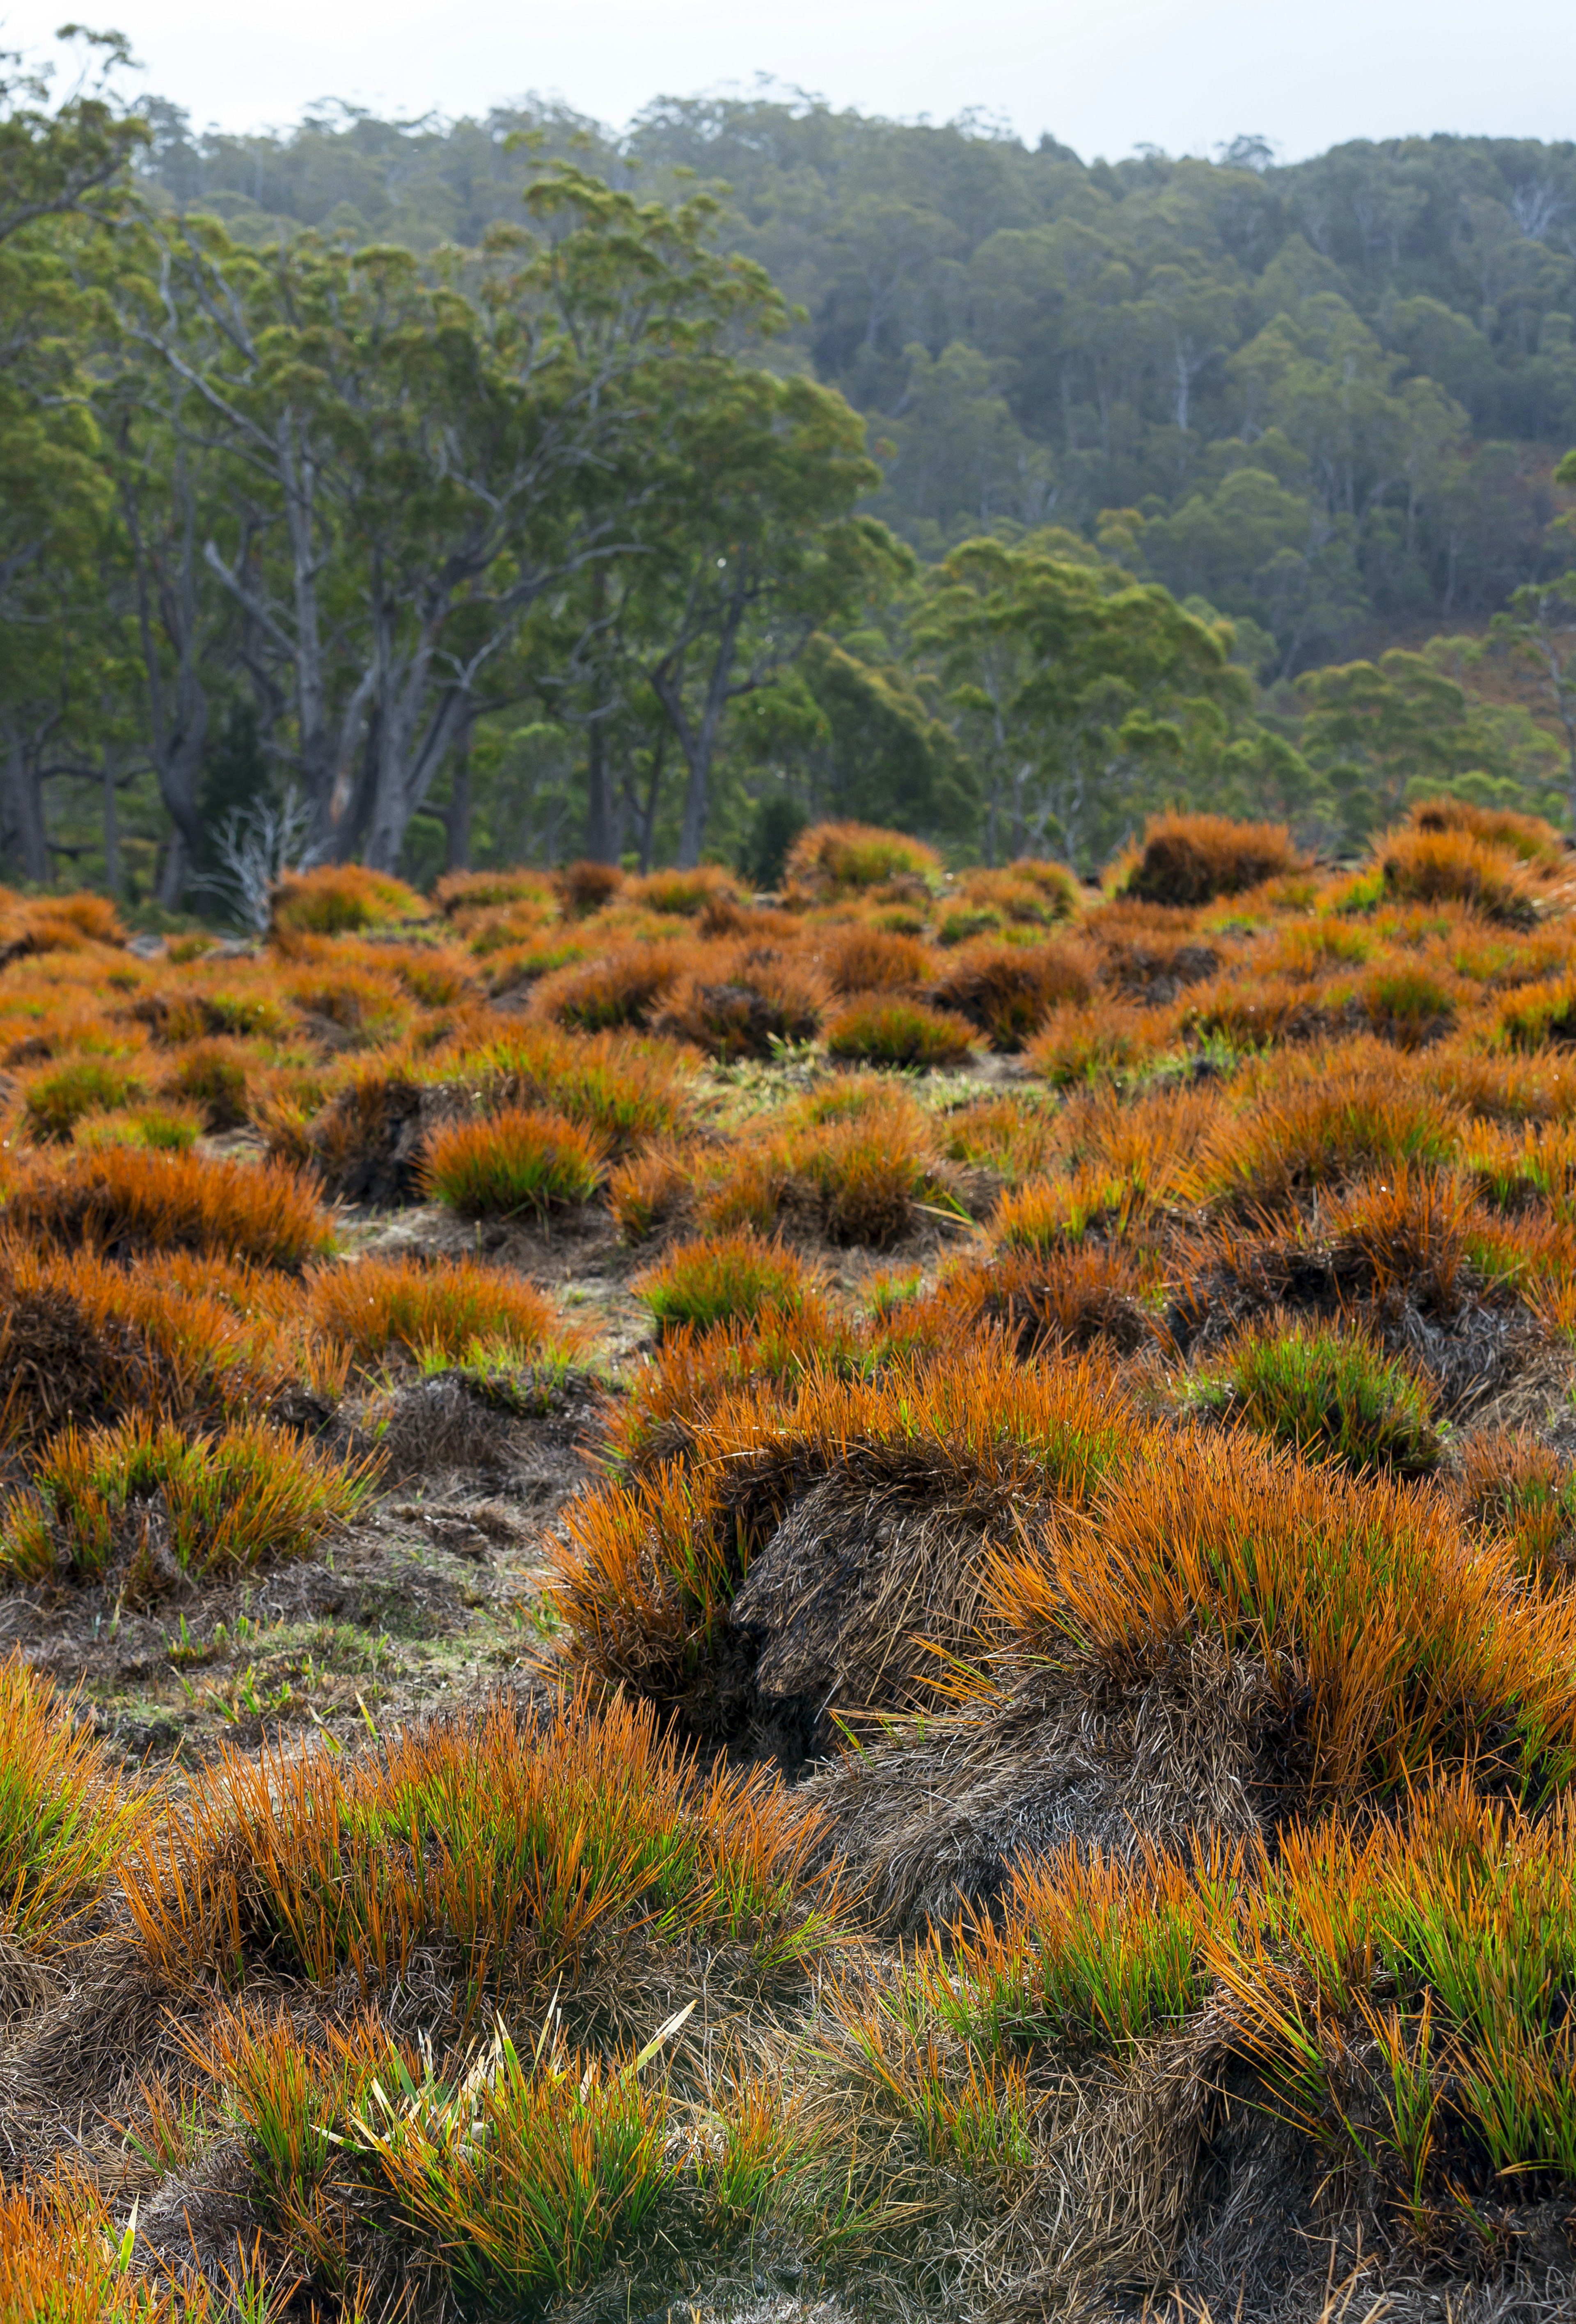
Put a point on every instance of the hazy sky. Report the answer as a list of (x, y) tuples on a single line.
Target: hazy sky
[(1102, 75)]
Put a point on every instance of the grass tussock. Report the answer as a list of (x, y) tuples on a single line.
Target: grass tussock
[(160, 1505), (841, 859), (724, 1279), (342, 899), (512, 1163), (1192, 858), (1327, 1393), (521, 1845), (65, 1815), (380, 1308), (884, 1032), (126, 1200)]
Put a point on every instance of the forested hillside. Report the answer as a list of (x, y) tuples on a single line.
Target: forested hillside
[(502, 490)]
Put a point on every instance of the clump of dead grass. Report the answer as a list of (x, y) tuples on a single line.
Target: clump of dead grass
[(125, 1200)]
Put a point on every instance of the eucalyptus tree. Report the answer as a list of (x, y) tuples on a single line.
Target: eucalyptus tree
[(411, 463)]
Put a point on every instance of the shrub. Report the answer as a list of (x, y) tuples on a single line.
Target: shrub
[(721, 1279), (124, 1200), (881, 1032), (143, 1493), (838, 858), (514, 1161), (1191, 859), (55, 1098), (376, 1307), (64, 1815), (1009, 993), (1324, 1392), (1434, 867), (343, 898)]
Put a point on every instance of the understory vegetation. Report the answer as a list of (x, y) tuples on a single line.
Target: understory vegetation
[(1009, 1476)]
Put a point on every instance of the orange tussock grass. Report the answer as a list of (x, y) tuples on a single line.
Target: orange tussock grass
[(884, 1028), (65, 1814), (84, 1339), (55, 1097), (1257, 1016), (860, 959), (44, 924), (1148, 1142), (651, 1190), (625, 1087), (1510, 1485), (1337, 1117), (125, 1200), (1012, 1134), (743, 1000), (646, 1570), (349, 1006), (1539, 1013), (1191, 859), (621, 986), (584, 886), (255, 1009), (1537, 843), (62, 2261), (1412, 1229), (342, 899), (1433, 867), (1064, 1294), (513, 1161), (248, 1496), (1414, 1645), (692, 1368), (1081, 1044), (1008, 991), (461, 893), (859, 1171), (377, 1307), (518, 1843), (1029, 892), (684, 894), (724, 1278), (214, 1074), (1499, 1087), (846, 858)]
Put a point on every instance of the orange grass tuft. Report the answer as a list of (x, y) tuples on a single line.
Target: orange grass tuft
[(1189, 859), (125, 1200), (519, 1842)]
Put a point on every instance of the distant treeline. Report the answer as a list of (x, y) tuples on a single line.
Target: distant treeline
[(495, 491)]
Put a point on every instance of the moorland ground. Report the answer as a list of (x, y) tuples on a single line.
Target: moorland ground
[(853, 1604)]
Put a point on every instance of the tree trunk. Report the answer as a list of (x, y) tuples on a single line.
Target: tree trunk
[(172, 871), (601, 831), (456, 821), (27, 813), (111, 827)]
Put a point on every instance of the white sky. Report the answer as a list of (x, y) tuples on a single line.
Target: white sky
[(1102, 75)]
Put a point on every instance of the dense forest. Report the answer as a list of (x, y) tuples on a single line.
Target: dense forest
[(502, 490)]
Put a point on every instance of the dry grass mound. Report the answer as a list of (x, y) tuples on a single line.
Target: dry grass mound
[(126, 1200), (1192, 858)]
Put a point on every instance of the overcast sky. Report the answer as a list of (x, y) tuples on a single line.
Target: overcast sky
[(1105, 76)]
